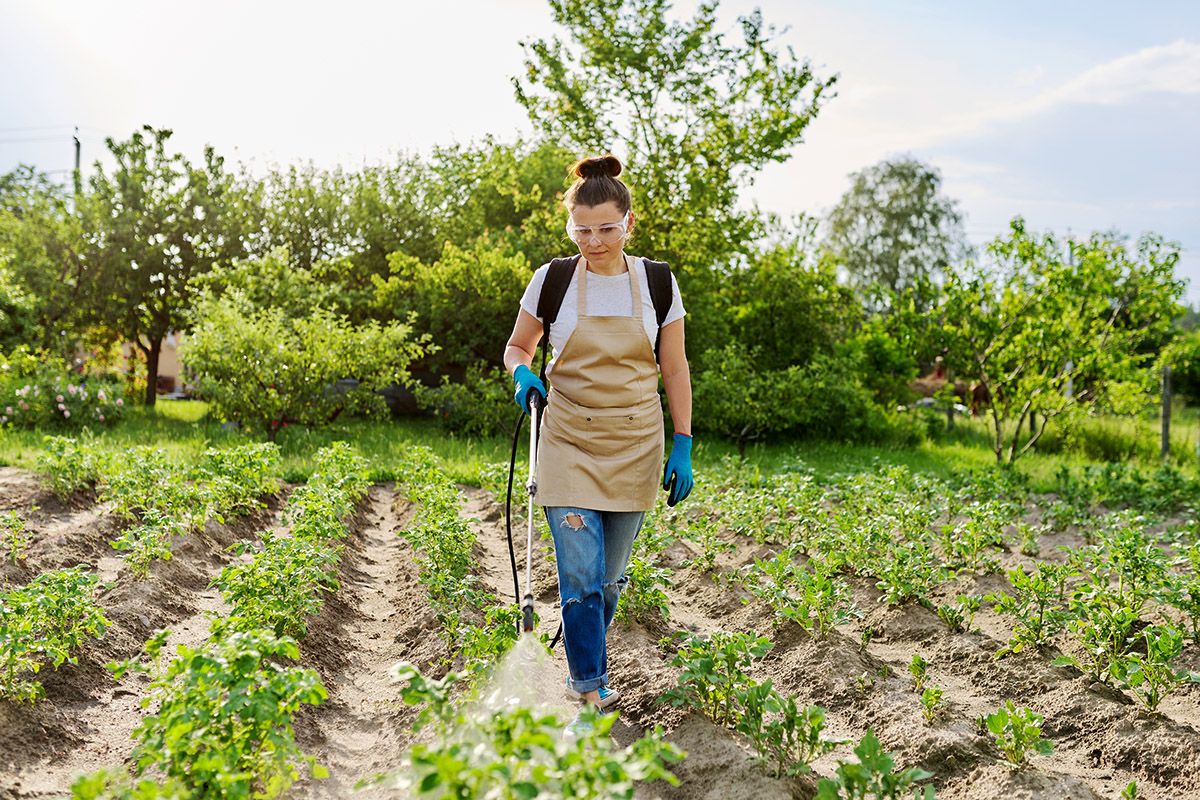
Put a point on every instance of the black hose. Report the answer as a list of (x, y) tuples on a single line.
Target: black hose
[(512, 554)]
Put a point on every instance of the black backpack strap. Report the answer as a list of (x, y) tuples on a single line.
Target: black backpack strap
[(658, 277), (554, 289)]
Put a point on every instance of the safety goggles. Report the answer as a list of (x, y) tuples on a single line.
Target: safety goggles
[(608, 233)]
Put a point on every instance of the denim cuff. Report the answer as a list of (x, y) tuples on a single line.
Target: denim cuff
[(589, 685)]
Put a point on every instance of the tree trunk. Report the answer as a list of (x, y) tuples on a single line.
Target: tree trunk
[(152, 371)]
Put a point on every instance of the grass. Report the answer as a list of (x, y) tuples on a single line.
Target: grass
[(184, 430)]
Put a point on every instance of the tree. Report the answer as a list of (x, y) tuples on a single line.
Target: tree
[(41, 264), (786, 302), (155, 224), (694, 116), (1059, 327), (893, 230), (466, 300)]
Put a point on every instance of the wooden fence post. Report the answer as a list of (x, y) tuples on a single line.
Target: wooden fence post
[(1166, 412)]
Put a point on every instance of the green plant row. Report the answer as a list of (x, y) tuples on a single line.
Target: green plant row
[(910, 534), (287, 576), (472, 622), (160, 498), (713, 679), (222, 728)]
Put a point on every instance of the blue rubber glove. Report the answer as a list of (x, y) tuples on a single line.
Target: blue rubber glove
[(526, 380), (677, 479)]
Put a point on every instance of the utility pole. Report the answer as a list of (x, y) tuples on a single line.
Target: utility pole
[(78, 178)]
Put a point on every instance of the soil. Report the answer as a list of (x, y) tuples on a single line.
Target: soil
[(378, 617)]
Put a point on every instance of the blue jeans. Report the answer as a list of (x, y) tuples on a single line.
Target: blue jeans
[(592, 549)]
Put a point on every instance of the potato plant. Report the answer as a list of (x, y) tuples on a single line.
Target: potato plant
[(785, 735), (222, 727), (45, 622), (1151, 677), (918, 668), (519, 753), (14, 538), (1034, 604), (874, 777), (713, 672), (931, 702), (1017, 732), (960, 616), (148, 541), (69, 464), (810, 594)]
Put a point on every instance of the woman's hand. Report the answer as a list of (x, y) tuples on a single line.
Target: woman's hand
[(677, 478), (527, 382)]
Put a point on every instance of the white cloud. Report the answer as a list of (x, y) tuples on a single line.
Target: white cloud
[(1163, 69)]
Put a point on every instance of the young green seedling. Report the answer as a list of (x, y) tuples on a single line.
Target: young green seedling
[(14, 538), (917, 668), (931, 702), (874, 776), (1017, 731)]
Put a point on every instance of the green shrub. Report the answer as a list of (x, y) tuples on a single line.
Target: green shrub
[(264, 370), (824, 399), (466, 300), (40, 391), (481, 404)]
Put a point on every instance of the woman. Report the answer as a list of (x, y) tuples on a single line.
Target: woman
[(601, 446)]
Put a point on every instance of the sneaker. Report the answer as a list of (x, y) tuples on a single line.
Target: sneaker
[(608, 697), (578, 727)]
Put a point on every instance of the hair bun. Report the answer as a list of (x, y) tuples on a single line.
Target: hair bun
[(606, 166)]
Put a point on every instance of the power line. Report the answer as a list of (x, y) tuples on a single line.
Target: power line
[(63, 137), (26, 128)]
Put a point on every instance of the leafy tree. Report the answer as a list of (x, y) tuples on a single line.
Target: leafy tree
[(786, 301), (893, 229), (41, 264), (695, 116), (154, 225), (1059, 327), (466, 300)]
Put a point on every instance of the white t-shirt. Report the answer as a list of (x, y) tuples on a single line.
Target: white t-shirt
[(608, 296)]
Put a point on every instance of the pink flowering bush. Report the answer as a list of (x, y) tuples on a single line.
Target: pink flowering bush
[(39, 391)]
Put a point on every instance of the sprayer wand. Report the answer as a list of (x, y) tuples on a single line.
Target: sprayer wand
[(535, 405)]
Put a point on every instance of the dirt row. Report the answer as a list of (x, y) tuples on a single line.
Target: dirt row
[(85, 720), (379, 617)]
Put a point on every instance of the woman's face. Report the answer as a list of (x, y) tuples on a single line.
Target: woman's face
[(593, 230)]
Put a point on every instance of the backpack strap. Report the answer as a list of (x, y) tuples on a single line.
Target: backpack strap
[(554, 289), (658, 276), (558, 278)]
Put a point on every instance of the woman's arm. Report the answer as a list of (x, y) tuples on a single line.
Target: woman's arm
[(677, 379), (522, 345)]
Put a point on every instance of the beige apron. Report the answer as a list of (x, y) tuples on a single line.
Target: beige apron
[(601, 444)]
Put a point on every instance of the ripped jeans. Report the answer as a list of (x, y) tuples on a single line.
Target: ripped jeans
[(592, 550)]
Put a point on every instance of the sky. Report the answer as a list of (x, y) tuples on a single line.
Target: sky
[(1078, 116)]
